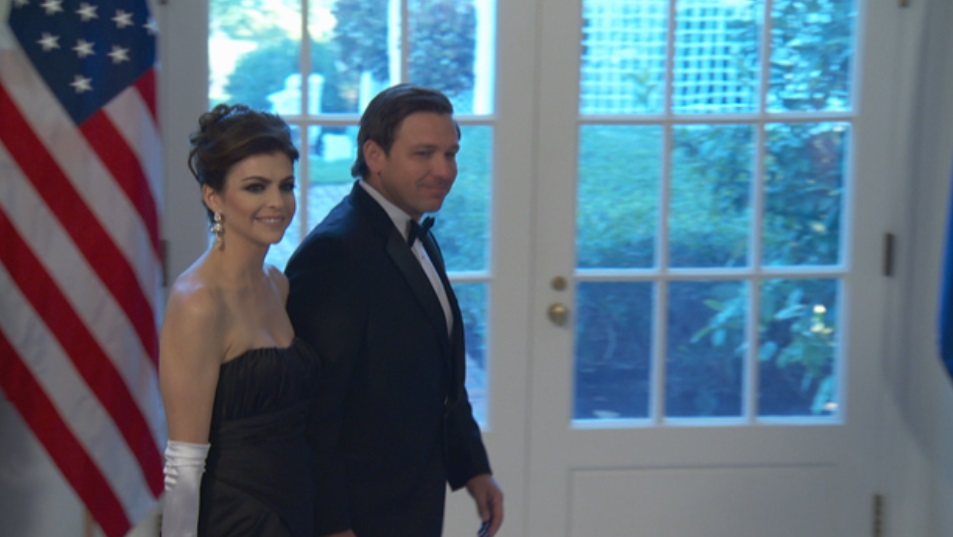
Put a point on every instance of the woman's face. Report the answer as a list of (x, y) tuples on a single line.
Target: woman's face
[(257, 202)]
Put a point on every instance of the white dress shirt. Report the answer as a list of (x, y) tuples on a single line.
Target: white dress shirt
[(402, 222)]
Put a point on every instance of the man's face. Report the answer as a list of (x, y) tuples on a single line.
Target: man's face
[(422, 165)]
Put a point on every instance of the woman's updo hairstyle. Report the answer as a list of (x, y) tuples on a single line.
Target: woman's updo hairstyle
[(229, 133)]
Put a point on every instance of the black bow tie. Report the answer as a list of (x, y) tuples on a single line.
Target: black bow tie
[(418, 230)]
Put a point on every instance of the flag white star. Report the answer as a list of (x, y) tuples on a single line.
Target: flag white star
[(87, 12), (52, 6), (49, 42), (83, 48), (151, 26), (122, 19), (119, 54), (81, 84)]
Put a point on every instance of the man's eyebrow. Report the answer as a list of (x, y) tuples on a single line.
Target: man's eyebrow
[(425, 145)]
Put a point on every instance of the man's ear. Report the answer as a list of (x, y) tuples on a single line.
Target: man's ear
[(373, 156), (212, 199)]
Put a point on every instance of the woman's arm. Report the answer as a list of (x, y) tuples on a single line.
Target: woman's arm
[(191, 346)]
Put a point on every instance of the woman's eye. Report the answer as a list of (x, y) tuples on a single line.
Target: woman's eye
[(255, 188), (288, 187)]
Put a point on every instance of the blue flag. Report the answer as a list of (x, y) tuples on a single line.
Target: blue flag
[(946, 296)]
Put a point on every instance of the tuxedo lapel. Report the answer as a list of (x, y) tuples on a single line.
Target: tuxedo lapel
[(410, 268), (436, 257), (402, 256), (457, 362)]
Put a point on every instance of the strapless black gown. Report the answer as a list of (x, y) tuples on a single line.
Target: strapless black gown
[(258, 478)]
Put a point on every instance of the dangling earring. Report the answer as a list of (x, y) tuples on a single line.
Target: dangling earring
[(218, 230)]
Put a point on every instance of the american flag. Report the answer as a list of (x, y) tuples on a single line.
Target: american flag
[(80, 255)]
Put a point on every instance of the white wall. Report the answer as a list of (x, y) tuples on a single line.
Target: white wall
[(917, 441), (184, 222)]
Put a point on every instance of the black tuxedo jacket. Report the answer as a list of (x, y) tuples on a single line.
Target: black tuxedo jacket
[(392, 423)]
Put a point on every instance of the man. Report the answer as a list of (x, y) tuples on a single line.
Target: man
[(393, 424)]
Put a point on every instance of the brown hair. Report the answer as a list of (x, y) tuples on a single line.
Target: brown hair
[(230, 133), (385, 113)]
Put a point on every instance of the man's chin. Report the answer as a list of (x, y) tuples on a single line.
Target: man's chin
[(433, 207)]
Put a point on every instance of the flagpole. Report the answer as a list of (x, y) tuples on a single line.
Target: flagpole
[(88, 524)]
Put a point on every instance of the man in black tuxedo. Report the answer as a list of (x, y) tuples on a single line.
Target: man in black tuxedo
[(393, 424)]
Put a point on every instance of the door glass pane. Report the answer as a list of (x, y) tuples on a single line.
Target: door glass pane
[(704, 366), (613, 350), (618, 195), (451, 42), (812, 47), (797, 348), (804, 182), (710, 215), (623, 57), (357, 48), (463, 225), (331, 151), (716, 65), (473, 301), (463, 230), (253, 52), (345, 55)]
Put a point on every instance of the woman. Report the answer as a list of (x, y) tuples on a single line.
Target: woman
[(235, 382)]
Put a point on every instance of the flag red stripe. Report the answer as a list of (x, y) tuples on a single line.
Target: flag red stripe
[(22, 389), (146, 85), (87, 356), (125, 168), (84, 228)]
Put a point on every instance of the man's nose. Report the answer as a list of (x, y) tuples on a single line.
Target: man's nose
[(445, 168)]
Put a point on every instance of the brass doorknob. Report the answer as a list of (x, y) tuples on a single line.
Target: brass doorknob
[(558, 314)]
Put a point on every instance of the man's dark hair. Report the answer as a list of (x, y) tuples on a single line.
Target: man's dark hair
[(385, 113)]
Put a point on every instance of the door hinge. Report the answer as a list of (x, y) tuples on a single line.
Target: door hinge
[(888, 254), (878, 515)]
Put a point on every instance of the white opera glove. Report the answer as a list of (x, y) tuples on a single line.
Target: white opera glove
[(184, 466)]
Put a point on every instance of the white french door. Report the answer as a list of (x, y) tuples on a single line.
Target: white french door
[(687, 465)]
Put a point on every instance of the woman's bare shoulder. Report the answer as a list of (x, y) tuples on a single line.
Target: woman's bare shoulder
[(279, 280), (193, 296), (195, 309)]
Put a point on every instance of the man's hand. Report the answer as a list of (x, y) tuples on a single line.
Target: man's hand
[(489, 501)]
